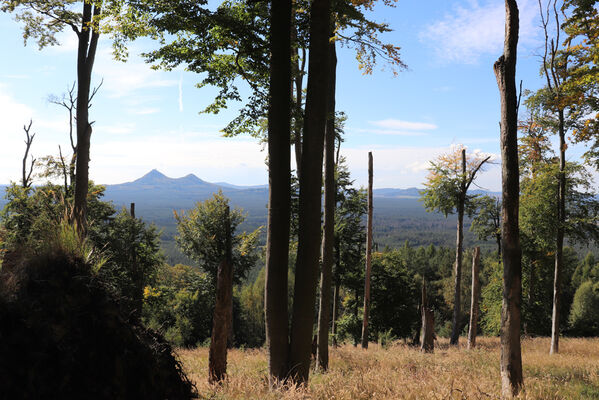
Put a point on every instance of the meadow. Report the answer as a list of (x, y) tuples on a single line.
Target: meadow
[(399, 371)]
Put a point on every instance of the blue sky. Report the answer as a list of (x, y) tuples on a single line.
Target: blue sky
[(149, 119)]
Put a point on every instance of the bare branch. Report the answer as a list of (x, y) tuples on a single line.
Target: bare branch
[(26, 179)]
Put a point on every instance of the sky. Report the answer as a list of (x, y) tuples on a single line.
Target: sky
[(147, 119)]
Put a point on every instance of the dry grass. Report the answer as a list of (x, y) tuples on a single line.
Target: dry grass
[(402, 372)]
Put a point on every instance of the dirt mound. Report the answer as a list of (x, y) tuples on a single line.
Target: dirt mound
[(63, 335)]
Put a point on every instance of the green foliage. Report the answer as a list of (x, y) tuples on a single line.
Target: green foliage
[(249, 326), (491, 298), (203, 234), (395, 294), (349, 328), (487, 222), (132, 250), (584, 314), (180, 304)]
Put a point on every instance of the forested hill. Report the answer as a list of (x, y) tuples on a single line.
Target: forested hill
[(398, 213)]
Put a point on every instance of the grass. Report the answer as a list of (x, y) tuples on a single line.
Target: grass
[(402, 372)]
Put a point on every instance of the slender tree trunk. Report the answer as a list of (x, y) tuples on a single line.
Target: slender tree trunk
[(457, 268), (336, 274), (86, 54), (328, 239), (279, 198), (505, 73), (559, 245), (427, 335), (217, 359), (368, 258), (308, 251), (474, 299), (137, 275)]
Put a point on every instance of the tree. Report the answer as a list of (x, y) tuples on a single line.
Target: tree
[(202, 236), (26, 175), (206, 234), (446, 191), (279, 206), (487, 222), (553, 99), (328, 234), (308, 252), (368, 258), (505, 73), (42, 21), (581, 26), (350, 240), (474, 300), (427, 332), (223, 311)]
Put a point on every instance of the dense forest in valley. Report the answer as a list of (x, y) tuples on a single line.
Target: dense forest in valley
[(121, 291)]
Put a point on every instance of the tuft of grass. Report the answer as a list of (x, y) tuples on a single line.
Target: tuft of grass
[(402, 372)]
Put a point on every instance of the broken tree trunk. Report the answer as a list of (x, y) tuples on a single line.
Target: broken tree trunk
[(505, 73), (427, 332), (368, 258), (217, 362), (474, 299)]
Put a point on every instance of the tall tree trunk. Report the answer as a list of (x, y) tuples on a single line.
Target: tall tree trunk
[(427, 333), (457, 268), (279, 198), (217, 359), (308, 251), (474, 299), (86, 54), (298, 79), (368, 258), (505, 73), (328, 239), (559, 245)]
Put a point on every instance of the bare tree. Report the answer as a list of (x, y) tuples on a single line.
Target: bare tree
[(26, 179), (475, 293), (505, 73), (368, 257), (427, 331)]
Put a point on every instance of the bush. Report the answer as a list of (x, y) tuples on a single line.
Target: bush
[(63, 335), (584, 314)]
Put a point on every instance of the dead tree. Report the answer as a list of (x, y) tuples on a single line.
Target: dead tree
[(368, 258), (505, 73), (26, 179), (474, 299), (427, 332), (217, 361)]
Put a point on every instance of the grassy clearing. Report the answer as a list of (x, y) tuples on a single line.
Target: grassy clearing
[(402, 372)]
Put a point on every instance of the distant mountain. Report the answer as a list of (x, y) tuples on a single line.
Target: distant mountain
[(398, 213)]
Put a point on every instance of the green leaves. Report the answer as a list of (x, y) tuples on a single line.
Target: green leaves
[(202, 237)]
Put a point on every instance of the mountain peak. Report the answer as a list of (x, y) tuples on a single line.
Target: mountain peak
[(154, 176)]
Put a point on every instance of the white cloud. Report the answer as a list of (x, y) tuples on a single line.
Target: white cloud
[(396, 124), (471, 31)]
